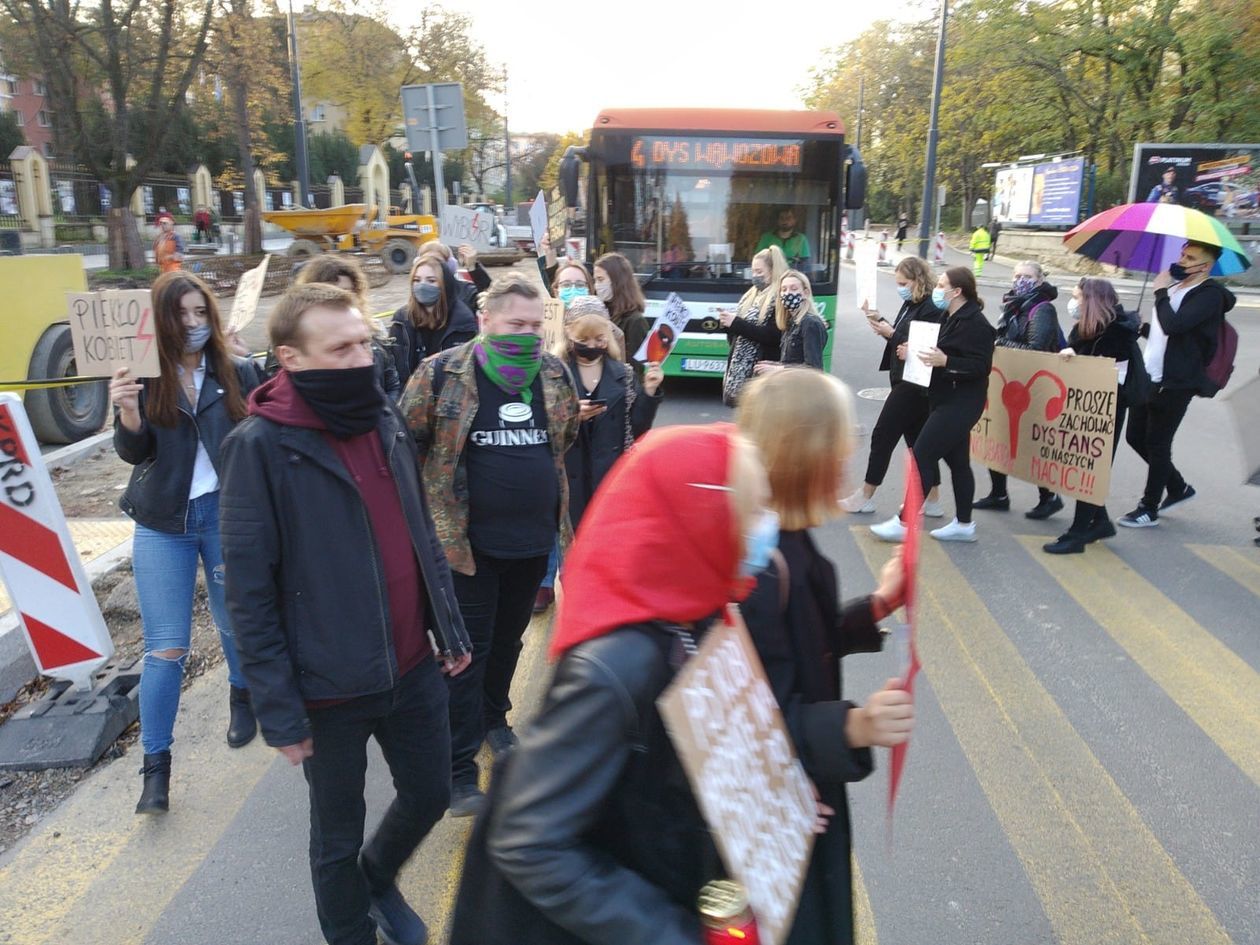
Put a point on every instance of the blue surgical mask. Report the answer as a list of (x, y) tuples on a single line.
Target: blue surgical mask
[(938, 298), (906, 292), (759, 543), (571, 292), (426, 293), (195, 338)]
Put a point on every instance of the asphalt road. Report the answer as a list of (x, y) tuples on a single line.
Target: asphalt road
[(1086, 767)]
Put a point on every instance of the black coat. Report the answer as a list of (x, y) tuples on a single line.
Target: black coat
[(804, 341), (592, 833), (921, 311), (801, 646), (600, 442), (411, 345), (760, 327), (1029, 321), (1192, 333), (305, 585), (967, 340), (157, 493)]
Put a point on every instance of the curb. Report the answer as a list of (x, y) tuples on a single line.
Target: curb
[(66, 456)]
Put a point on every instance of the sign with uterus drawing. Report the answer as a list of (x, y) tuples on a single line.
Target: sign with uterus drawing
[(1050, 421)]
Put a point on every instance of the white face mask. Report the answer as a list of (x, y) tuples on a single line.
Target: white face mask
[(603, 291), (1074, 309)]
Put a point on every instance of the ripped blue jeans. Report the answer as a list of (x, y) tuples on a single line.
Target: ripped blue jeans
[(165, 566)]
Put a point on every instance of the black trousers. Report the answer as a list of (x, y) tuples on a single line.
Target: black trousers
[(409, 723), (1152, 427), (1087, 513), (497, 604), (947, 436), (902, 416), (998, 482)]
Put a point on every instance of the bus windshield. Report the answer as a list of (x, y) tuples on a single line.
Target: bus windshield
[(686, 206)]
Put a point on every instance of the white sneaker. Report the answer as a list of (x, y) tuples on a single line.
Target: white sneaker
[(933, 509), (892, 530), (955, 531), (858, 504)]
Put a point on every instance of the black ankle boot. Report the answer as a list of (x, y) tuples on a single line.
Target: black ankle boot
[(155, 798), (242, 726)]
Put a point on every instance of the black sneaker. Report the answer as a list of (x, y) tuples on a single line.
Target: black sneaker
[(501, 739), (1045, 509), (395, 919), (467, 800), (1141, 517), (1170, 500), (1101, 528), (994, 503), (1066, 544)]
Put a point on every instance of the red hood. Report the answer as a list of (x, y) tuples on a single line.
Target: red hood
[(279, 401), (658, 542)]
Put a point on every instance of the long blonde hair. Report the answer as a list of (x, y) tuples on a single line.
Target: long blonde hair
[(781, 317), (586, 328), (776, 262)]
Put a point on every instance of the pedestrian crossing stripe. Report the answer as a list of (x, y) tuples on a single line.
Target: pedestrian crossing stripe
[(1099, 871), (1243, 567), (1208, 681)]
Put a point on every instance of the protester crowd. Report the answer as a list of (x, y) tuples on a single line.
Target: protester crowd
[(379, 514)]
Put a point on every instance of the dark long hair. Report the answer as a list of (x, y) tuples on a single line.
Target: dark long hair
[(627, 297), (162, 405), (960, 277)]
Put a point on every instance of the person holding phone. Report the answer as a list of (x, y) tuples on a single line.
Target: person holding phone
[(906, 408)]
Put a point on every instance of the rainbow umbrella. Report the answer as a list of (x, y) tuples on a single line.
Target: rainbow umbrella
[(1148, 236)]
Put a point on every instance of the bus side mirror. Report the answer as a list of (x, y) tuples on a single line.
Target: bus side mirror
[(570, 174), (854, 179)]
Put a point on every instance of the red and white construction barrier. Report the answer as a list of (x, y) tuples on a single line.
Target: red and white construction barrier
[(848, 247), (38, 561), (882, 259), (938, 252)]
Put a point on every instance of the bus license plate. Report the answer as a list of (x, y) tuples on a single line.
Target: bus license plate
[(706, 365)]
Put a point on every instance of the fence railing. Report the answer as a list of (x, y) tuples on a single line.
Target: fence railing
[(10, 214)]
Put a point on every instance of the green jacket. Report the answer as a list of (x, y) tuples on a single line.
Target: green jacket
[(440, 427)]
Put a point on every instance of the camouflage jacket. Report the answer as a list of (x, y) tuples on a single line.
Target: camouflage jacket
[(440, 427)]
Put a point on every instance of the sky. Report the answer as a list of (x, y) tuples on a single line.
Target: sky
[(565, 62)]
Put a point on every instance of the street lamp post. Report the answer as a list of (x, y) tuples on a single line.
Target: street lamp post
[(299, 121), (929, 172), (507, 148)]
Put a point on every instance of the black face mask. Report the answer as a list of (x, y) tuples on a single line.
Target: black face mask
[(588, 352), (348, 400), (1179, 272)]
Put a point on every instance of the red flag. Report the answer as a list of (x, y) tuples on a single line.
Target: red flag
[(912, 515)]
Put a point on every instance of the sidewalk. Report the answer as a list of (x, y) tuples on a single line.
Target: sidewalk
[(274, 244)]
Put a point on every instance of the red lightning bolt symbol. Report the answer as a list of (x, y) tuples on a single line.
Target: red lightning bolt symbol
[(143, 334)]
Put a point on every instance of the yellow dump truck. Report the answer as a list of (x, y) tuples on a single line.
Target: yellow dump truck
[(35, 344), (396, 240)]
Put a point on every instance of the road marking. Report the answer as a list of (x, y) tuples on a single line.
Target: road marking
[(1209, 682), (1100, 873), (96, 872), (1232, 562), (863, 915)]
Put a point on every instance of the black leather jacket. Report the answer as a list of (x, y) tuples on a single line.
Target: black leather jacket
[(305, 585), (157, 494), (1029, 321)]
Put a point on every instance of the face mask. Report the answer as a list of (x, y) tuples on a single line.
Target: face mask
[(426, 293), (1179, 272), (603, 291), (792, 300), (195, 338), (759, 542), (1023, 285), (905, 292), (1074, 309), (588, 352), (510, 361), (571, 292), (348, 400), (760, 282), (938, 299)]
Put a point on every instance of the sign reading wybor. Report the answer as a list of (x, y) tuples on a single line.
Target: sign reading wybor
[(112, 330), (754, 793), (38, 562), (1049, 421)]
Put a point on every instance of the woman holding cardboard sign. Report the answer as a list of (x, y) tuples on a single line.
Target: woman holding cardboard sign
[(170, 428), (802, 421)]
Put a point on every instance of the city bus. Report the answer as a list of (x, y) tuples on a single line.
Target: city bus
[(688, 195)]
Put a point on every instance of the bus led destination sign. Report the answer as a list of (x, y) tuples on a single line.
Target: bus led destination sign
[(716, 154)]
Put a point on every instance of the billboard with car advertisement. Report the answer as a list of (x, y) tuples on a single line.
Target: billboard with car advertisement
[(1220, 179)]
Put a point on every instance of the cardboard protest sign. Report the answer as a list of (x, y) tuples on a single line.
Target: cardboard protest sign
[(553, 323), (729, 734), (866, 268), (248, 292), (557, 219), (923, 335), (464, 225), (112, 330), (538, 222), (664, 335), (1050, 422)]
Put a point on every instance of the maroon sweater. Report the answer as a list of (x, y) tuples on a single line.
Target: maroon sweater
[(364, 459)]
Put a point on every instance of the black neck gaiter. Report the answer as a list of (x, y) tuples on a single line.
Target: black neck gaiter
[(348, 400)]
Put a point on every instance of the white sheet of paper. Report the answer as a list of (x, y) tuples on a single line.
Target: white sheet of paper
[(538, 220), (865, 270), (923, 336), (248, 292)]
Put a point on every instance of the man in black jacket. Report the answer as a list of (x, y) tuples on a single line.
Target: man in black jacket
[(1181, 339), (343, 606)]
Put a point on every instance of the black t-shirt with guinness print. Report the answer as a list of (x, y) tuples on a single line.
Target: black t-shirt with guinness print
[(513, 492)]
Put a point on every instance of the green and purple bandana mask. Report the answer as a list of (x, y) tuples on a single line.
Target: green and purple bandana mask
[(510, 361)]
